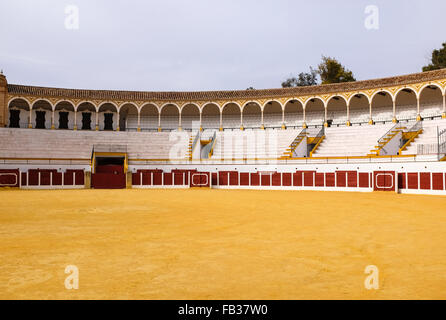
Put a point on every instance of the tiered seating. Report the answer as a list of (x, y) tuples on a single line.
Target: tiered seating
[(61, 144), (351, 141), (431, 110), (252, 120), (428, 138), (252, 144), (272, 119)]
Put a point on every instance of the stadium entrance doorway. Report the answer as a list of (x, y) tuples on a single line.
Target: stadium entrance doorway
[(109, 171)]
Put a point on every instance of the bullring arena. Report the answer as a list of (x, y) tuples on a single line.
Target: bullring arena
[(220, 195)]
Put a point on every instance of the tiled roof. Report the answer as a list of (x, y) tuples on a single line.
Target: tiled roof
[(16, 89)]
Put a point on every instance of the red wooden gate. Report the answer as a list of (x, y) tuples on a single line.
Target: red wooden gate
[(200, 179), (385, 181)]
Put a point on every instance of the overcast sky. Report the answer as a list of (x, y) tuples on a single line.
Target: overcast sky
[(175, 45)]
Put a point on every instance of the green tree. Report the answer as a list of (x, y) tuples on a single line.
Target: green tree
[(438, 59), (331, 71), (303, 79)]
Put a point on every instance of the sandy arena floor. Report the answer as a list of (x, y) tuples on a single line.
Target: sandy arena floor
[(217, 244)]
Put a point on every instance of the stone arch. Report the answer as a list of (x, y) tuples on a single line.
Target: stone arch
[(62, 109), (359, 108), (42, 109), (85, 111), (128, 117), (149, 117), (18, 107), (170, 116), (315, 112), (190, 116), (272, 114), (231, 115), (105, 109), (337, 110), (406, 104), (431, 101), (382, 106), (252, 115), (210, 116)]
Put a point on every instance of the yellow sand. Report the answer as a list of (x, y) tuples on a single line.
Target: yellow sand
[(217, 244)]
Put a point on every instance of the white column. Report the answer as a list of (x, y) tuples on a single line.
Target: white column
[(201, 127), (241, 119), (348, 113), (52, 120), (418, 108), (159, 120), (262, 125), (30, 118), (325, 115), (394, 109), (97, 120), (370, 110), (179, 121), (305, 118), (139, 121), (75, 120), (119, 120), (444, 106), (221, 120)]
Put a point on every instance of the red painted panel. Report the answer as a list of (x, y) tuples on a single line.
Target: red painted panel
[(265, 180), (437, 181), (425, 180), (352, 179), (44, 178), (330, 179), (179, 176), (9, 178), (157, 178), (297, 179), (168, 181), (80, 177), (136, 179), (320, 179), (402, 180), (412, 180), (33, 178), (341, 178), (214, 178), (255, 179), (68, 178), (286, 179), (146, 178), (277, 179), (233, 178), (57, 178), (244, 179), (223, 178), (309, 179), (363, 180)]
